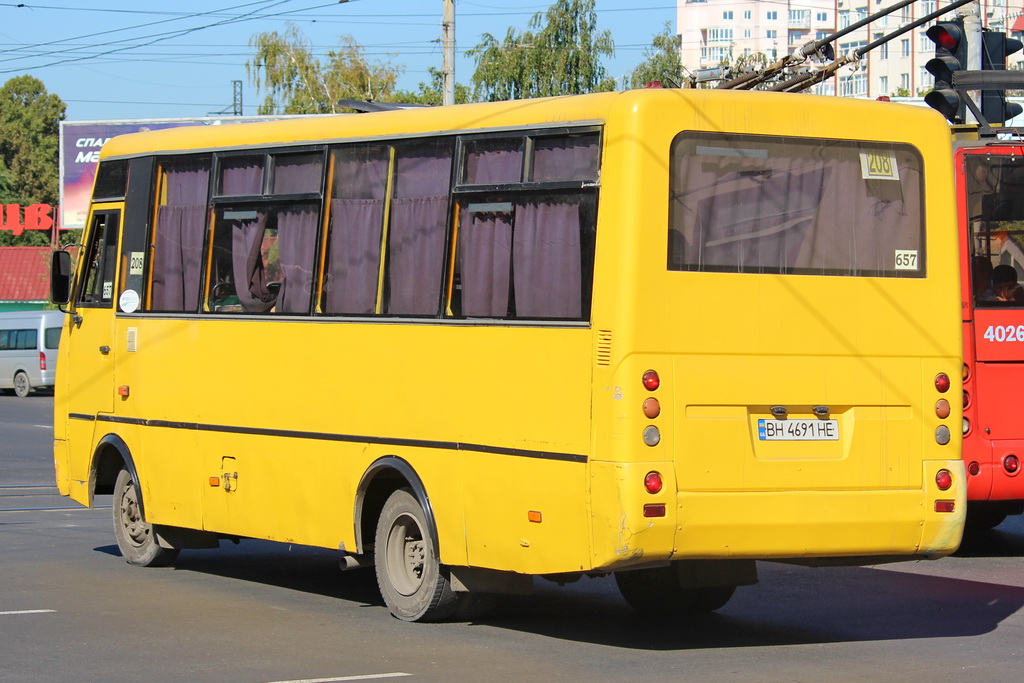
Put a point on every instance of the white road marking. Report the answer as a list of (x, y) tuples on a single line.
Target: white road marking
[(367, 677), (27, 611)]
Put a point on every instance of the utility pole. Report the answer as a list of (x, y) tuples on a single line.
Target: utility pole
[(972, 32), (448, 53), (237, 104)]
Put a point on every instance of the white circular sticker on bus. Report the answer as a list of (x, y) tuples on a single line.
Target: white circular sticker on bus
[(129, 301)]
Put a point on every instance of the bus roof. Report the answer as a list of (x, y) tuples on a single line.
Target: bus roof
[(812, 115)]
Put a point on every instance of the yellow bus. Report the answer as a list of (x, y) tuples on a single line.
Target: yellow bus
[(659, 333)]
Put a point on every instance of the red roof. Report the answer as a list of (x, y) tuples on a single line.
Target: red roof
[(24, 273), (1018, 24)]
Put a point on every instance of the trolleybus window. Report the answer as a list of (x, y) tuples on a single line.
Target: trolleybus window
[(765, 204), (995, 205)]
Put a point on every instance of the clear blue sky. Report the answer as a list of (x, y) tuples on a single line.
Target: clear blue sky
[(125, 59)]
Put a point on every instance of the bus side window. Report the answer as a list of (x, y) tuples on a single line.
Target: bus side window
[(97, 285), (178, 234)]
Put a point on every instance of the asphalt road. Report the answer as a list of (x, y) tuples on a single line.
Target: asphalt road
[(71, 609)]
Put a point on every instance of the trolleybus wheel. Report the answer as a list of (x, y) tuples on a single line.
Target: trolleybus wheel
[(414, 585), (982, 515), (657, 592), (21, 385), (134, 535)]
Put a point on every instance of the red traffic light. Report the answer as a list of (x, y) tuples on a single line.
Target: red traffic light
[(946, 35)]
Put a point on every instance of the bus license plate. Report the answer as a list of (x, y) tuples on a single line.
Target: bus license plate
[(798, 430)]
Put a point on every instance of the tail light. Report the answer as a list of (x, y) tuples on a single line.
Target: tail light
[(1011, 464), (42, 360), (653, 482), (942, 409), (651, 380), (943, 479), (967, 399), (942, 382)]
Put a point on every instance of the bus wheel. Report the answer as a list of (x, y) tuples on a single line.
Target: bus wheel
[(656, 592), (21, 385), (413, 583), (134, 536)]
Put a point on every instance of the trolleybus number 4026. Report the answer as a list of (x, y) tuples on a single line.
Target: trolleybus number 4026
[(1005, 333)]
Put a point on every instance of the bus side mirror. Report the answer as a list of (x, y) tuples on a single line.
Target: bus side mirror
[(60, 278)]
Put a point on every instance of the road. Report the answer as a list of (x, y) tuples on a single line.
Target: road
[(71, 609)]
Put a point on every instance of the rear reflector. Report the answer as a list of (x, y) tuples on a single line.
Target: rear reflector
[(944, 505), (654, 510), (534, 516)]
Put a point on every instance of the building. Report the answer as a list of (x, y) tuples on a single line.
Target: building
[(712, 31), (24, 278)]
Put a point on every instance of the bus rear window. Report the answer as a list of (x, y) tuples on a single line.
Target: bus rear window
[(767, 204)]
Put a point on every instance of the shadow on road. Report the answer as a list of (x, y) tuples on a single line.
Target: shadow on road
[(791, 605)]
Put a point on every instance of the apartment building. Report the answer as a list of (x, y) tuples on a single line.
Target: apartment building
[(713, 31)]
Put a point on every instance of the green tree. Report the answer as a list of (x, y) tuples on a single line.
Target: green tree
[(297, 82), (662, 61), (432, 94), (29, 157), (559, 55)]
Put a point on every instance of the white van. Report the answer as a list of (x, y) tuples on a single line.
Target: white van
[(28, 349)]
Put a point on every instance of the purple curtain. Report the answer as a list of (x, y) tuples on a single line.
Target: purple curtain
[(247, 264), (241, 175), (296, 234), (490, 162), (417, 232), (295, 174), (762, 223), (547, 260), (180, 225), (565, 158), (485, 250), (355, 232)]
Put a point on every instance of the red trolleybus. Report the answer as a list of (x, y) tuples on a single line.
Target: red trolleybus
[(990, 181)]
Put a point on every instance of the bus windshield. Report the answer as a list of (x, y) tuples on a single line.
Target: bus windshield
[(995, 205)]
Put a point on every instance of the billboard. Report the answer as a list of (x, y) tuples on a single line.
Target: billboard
[(80, 143)]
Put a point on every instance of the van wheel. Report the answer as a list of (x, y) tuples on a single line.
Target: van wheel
[(134, 535), (414, 585), (21, 385)]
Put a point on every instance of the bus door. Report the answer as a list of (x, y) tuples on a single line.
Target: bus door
[(91, 339)]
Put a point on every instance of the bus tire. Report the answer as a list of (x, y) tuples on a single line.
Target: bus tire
[(414, 585), (21, 384), (657, 592), (134, 535)]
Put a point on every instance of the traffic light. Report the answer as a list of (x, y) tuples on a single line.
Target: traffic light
[(995, 47), (950, 55)]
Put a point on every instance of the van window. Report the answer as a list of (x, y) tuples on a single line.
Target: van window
[(51, 338), (18, 340)]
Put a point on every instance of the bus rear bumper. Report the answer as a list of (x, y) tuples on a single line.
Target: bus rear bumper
[(829, 527), (798, 525)]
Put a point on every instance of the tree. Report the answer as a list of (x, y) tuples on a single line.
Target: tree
[(559, 55), (29, 150), (432, 94), (662, 61), (298, 83)]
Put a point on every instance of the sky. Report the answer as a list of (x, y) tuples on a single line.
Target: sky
[(128, 60)]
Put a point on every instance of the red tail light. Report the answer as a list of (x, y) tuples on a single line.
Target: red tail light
[(653, 482), (1011, 464), (42, 360), (651, 380), (942, 382), (943, 479)]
